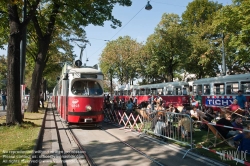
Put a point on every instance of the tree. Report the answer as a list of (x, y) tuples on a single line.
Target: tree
[(51, 16), (169, 46), (13, 75), (71, 18), (233, 22), (119, 56), (197, 19)]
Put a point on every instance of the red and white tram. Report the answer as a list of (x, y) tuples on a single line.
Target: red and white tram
[(176, 93), (220, 91), (78, 95)]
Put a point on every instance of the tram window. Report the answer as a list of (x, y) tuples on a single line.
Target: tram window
[(184, 91), (219, 89), (125, 92), (245, 86), (142, 91), (122, 92), (129, 92), (83, 87), (199, 88), (154, 91), (206, 89), (178, 91), (170, 92), (232, 88), (137, 92), (159, 91), (147, 91), (94, 88)]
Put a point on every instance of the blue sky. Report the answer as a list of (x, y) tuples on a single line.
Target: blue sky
[(137, 23)]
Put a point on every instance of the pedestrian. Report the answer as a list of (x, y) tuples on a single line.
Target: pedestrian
[(42, 99), (129, 107), (4, 100), (242, 101), (151, 101)]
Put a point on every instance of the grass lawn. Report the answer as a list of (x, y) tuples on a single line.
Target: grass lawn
[(17, 142), (200, 136)]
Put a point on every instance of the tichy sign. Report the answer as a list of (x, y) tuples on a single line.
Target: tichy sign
[(219, 101)]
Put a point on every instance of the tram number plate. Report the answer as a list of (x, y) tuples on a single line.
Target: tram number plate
[(88, 120)]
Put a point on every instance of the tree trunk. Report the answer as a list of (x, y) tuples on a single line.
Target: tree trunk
[(38, 75), (13, 76)]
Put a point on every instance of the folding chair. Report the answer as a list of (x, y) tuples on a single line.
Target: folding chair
[(145, 115), (216, 135)]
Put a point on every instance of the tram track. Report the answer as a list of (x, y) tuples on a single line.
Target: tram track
[(134, 148), (91, 160), (72, 138), (99, 143)]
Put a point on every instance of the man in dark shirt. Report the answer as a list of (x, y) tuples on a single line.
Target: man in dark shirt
[(238, 123), (224, 131)]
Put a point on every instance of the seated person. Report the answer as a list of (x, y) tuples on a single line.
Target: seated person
[(224, 131), (234, 106), (184, 126), (243, 141), (209, 114), (194, 113), (238, 122)]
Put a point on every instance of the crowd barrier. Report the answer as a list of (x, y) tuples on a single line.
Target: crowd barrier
[(161, 124)]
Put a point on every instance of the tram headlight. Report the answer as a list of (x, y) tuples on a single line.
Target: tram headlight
[(88, 108)]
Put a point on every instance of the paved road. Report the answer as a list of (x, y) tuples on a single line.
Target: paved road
[(2, 113)]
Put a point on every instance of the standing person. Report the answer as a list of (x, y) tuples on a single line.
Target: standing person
[(242, 101), (4, 100), (129, 107), (108, 97), (198, 99), (158, 101), (135, 100), (42, 99), (151, 101)]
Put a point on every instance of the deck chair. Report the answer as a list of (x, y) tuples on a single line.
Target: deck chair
[(145, 115), (238, 112), (216, 136)]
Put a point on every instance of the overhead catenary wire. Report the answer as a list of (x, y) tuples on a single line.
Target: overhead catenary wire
[(119, 30)]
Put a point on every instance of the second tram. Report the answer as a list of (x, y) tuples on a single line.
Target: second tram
[(176, 93), (221, 91)]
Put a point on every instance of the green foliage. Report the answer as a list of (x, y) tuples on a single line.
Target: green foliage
[(118, 60)]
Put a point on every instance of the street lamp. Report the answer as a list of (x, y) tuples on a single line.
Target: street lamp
[(223, 56), (148, 6), (111, 71)]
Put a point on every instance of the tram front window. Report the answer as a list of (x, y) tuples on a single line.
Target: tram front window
[(84, 87)]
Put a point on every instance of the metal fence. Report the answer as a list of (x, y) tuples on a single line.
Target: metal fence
[(167, 125)]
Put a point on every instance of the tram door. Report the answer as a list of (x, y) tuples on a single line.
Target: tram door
[(65, 92)]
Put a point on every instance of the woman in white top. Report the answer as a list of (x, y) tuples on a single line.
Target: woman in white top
[(194, 113)]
